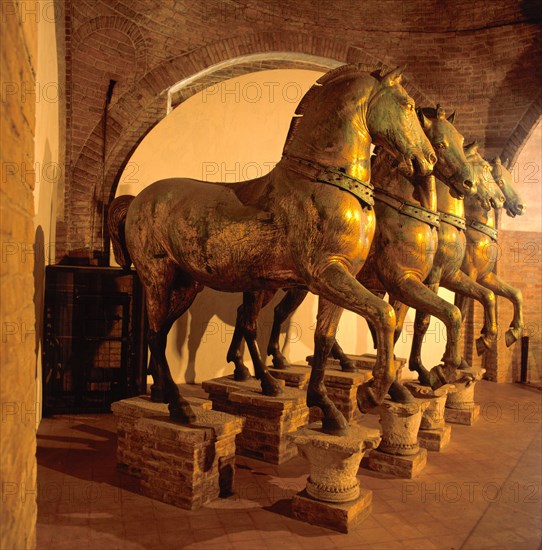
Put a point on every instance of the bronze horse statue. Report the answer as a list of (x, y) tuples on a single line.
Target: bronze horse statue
[(308, 222), (447, 266), (403, 248), (479, 263)]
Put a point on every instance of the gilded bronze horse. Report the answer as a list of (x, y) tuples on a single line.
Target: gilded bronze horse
[(480, 258), (446, 271), (308, 222), (404, 245)]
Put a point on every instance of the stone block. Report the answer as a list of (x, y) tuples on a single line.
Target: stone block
[(401, 466), (467, 416), (435, 439), (363, 362), (340, 516), (267, 419), (183, 465)]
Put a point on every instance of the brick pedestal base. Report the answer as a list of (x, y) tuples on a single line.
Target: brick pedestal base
[(342, 387), (435, 439), (268, 419), (406, 467), (338, 516), (183, 465), (363, 362)]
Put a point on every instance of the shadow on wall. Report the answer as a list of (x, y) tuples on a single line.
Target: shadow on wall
[(211, 319)]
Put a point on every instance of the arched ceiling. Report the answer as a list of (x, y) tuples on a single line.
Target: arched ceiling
[(482, 59)]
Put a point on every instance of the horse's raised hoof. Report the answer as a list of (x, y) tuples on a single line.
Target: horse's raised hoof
[(271, 387), (441, 375), (157, 394), (511, 336), (241, 374), (366, 398), (482, 345), (400, 394), (423, 374), (181, 412), (335, 425)]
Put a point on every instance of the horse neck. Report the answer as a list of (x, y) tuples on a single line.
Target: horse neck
[(473, 211), (391, 180), (332, 130), (446, 203)]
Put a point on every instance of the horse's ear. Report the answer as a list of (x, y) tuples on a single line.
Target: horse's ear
[(498, 160), (451, 118), (424, 121), (506, 164), (471, 148), (393, 77)]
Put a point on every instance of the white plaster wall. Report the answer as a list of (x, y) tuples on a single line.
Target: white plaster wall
[(231, 132)]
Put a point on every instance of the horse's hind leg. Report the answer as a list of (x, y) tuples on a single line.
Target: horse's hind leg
[(333, 421), (252, 304), (168, 296), (289, 303)]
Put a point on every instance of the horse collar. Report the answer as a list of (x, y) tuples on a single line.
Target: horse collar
[(360, 189), (491, 232), (415, 211), (452, 219)]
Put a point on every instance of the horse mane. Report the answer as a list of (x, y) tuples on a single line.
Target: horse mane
[(330, 77)]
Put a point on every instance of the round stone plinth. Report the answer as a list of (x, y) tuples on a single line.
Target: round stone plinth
[(400, 424), (463, 397), (433, 415)]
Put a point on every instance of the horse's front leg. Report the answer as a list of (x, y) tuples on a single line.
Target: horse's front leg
[(289, 303), (462, 284), (333, 421), (336, 284), (252, 304), (514, 295)]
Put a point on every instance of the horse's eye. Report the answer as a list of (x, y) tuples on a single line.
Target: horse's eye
[(410, 107), (441, 146)]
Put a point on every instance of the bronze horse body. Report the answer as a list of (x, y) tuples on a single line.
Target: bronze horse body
[(294, 226), (479, 261), (446, 271), (404, 245)]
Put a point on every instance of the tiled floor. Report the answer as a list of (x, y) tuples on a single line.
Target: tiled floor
[(482, 491)]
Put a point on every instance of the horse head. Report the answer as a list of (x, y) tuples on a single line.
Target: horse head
[(452, 166), (488, 195), (513, 204), (393, 125)]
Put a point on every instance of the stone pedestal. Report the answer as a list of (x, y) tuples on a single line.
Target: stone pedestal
[(399, 454), (342, 387), (364, 363), (183, 465), (434, 434), (460, 405), (267, 419), (332, 497)]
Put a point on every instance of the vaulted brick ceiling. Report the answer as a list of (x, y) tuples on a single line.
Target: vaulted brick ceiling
[(481, 58)]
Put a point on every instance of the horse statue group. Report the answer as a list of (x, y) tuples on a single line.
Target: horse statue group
[(333, 220)]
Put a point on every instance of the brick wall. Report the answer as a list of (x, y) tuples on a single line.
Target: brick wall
[(17, 318), (480, 59)]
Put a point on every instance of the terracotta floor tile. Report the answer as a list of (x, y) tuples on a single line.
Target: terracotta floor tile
[(84, 503)]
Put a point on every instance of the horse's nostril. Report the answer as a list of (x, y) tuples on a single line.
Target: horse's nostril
[(432, 158), (467, 184), (521, 207)]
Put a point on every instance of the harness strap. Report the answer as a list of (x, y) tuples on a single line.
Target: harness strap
[(415, 211), (491, 232), (452, 219), (362, 190)]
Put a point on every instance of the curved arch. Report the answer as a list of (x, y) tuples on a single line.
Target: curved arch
[(146, 103), (120, 24)]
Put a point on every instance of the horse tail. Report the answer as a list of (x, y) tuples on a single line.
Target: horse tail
[(116, 219)]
